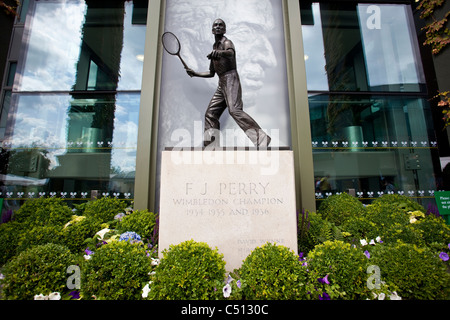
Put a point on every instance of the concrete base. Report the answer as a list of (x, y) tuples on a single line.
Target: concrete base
[(234, 200)]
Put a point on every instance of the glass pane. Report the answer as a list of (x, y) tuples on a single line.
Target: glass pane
[(390, 48), (48, 64), (69, 145), (361, 47), (314, 49), (373, 144), (23, 10), (65, 37), (4, 109), (11, 74)]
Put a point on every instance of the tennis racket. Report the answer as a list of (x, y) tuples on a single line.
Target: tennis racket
[(172, 45)]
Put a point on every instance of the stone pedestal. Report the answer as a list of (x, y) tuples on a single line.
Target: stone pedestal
[(235, 200)]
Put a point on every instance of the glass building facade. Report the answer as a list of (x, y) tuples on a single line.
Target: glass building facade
[(371, 125), (73, 124), (70, 120)]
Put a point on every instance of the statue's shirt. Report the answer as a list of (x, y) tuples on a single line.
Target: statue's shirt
[(226, 63)]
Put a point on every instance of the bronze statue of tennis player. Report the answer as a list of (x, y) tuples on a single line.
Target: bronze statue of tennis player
[(229, 92)]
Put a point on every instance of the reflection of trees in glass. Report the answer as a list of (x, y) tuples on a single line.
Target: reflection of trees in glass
[(438, 37), (343, 111), (28, 162), (91, 121)]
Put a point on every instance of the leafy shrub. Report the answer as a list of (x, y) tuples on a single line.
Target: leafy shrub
[(104, 209), (417, 272), (392, 223), (339, 208), (116, 271), (314, 230), (40, 269), (434, 230), (38, 235), (190, 270), (43, 211), (384, 214), (272, 272), (73, 235), (400, 202), (358, 228), (345, 267), (140, 221), (9, 237)]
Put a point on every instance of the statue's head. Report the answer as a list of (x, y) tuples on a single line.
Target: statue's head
[(219, 27)]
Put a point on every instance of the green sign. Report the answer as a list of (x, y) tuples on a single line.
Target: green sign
[(443, 203)]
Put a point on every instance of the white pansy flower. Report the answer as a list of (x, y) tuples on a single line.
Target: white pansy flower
[(395, 296), (363, 242), (155, 262), (226, 291), (146, 290), (40, 297), (54, 296)]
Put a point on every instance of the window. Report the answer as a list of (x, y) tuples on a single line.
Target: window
[(73, 111), (362, 47), (371, 124)]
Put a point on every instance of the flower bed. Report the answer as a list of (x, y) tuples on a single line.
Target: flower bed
[(391, 249)]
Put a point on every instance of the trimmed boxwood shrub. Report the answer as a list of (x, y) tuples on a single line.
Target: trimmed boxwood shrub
[(339, 208), (400, 202), (38, 235), (434, 231), (43, 211), (344, 267), (140, 221), (381, 219), (418, 273), (116, 271), (38, 270), (104, 209), (272, 272), (9, 238), (74, 234), (188, 271)]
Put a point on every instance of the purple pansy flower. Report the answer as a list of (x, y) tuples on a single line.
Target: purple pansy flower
[(443, 256), (74, 294), (324, 296), (324, 280)]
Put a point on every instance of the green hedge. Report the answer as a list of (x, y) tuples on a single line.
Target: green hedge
[(272, 272), (336, 251), (418, 272), (116, 271), (38, 270), (188, 271)]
